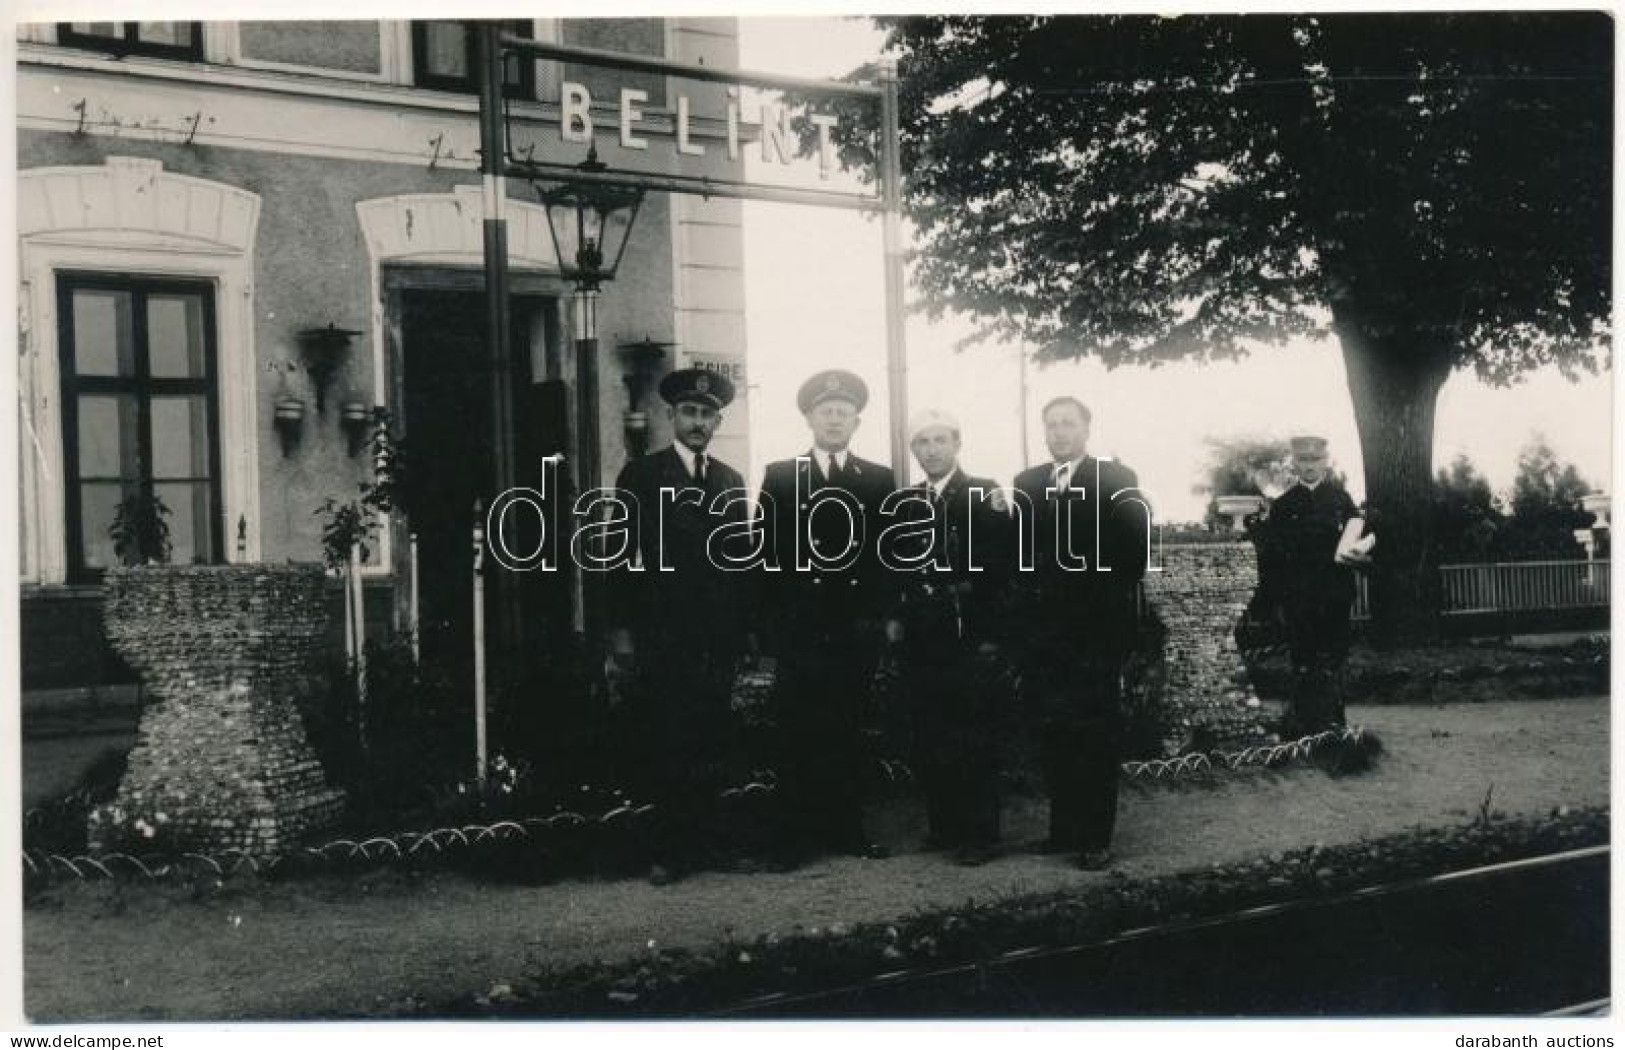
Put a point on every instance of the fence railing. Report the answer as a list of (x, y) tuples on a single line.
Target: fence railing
[(1513, 586)]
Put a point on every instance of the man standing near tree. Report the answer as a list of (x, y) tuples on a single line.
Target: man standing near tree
[(822, 603), (1308, 523), (1089, 528)]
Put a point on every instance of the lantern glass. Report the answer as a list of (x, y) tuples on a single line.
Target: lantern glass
[(590, 227)]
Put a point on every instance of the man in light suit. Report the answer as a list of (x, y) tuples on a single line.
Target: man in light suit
[(822, 605), (1088, 531)]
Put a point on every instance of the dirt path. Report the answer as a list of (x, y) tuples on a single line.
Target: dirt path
[(341, 947)]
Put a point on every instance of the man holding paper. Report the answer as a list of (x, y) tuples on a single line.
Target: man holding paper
[(1319, 531)]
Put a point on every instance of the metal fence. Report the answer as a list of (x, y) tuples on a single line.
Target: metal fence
[(1513, 586)]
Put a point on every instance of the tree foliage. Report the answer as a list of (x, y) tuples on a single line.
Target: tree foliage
[(1472, 523), (1435, 189), (1143, 189)]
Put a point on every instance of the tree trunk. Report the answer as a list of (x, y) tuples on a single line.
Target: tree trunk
[(1394, 379)]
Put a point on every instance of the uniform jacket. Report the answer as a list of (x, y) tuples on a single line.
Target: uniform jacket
[(696, 604), (1305, 526), (967, 532), (1108, 527), (793, 599)]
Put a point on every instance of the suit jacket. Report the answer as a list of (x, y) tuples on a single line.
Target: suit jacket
[(966, 532), (819, 598), (1109, 528), (696, 603)]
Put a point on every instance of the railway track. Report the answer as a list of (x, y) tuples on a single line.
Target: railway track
[(1522, 937)]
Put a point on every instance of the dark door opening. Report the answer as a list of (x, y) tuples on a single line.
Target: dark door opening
[(451, 440)]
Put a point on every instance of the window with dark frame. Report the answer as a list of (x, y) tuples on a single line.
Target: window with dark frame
[(140, 413), (158, 39), (444, 57)]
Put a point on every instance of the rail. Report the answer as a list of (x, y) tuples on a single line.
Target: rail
[(1515, 586)]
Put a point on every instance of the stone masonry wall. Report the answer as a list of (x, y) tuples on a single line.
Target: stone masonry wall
[(221, 761), (1200, 596)]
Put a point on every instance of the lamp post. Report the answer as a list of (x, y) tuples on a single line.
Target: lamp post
[(590, 224)]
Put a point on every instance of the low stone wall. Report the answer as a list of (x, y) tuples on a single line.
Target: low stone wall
[(1205, 698), (225, 654)]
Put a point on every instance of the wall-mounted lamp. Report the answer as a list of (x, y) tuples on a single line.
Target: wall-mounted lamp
[(641, 357), (290, 419), (323, 349), (356, 419)]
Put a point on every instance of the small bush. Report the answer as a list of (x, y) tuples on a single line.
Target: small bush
[(58, 825)]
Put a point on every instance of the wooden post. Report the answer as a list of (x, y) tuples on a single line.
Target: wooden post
[(479, 644), (891, 192), (349, 619), (412, 600), (358, 616)]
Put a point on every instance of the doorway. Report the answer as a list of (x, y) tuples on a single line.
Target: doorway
[(452, 437)]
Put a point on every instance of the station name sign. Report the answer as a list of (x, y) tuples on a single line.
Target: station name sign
[(576, 125)]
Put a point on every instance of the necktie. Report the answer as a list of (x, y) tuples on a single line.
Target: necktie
[(1063, 476), (699, 467), (835, 472)]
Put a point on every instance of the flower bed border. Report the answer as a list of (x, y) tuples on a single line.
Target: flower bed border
[(420, 847)]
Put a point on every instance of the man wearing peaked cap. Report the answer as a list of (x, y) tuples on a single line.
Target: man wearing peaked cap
[(1306, 525), (699, 385), (835, 384), (824, 603), (948, 621), (678, 627)]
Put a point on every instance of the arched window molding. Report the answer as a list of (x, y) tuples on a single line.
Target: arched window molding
[(130, 216)]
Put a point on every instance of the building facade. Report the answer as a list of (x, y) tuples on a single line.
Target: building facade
[(238, 238)]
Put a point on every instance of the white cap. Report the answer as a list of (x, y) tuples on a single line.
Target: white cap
[(931, 417)]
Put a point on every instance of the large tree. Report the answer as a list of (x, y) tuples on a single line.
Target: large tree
[(1432, 189)]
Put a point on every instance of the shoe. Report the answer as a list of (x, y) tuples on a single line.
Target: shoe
[(867, 851), (1095, 859)]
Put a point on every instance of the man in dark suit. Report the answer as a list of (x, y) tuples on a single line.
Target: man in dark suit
[(952, 571), (1316, 585), (823, 600), (678, 624), (1087, 530)]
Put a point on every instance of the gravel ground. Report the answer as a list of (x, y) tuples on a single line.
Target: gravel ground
[(374, 944)]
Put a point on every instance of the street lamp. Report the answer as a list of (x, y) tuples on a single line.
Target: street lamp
[(590, 223)]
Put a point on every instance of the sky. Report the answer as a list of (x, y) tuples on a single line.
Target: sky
[(815, 299)]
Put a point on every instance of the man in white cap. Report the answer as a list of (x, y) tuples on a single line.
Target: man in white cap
[(949, 625), (1316, 585)]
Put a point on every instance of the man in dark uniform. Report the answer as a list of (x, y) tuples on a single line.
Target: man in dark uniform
[(678, 624), (1315, 585), (949, 620), (822, 601), (1089, 532)]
